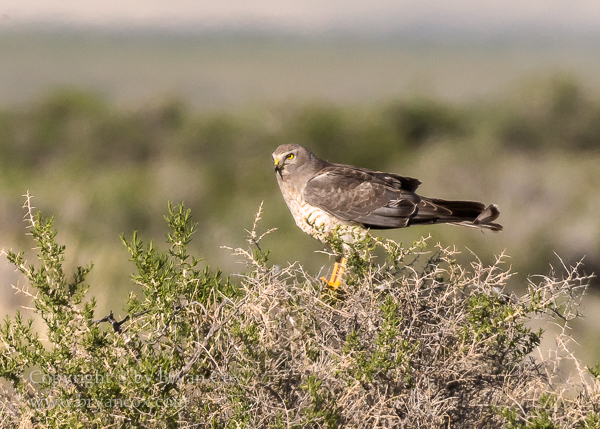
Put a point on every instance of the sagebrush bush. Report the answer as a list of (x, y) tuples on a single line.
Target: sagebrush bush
[(413, 339)]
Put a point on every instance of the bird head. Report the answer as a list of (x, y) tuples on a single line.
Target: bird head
[(288, 158)]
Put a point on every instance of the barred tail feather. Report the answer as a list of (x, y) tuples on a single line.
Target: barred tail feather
[(485, 219), (465, 213)]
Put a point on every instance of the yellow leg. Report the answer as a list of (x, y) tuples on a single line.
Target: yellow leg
[(336, 275)]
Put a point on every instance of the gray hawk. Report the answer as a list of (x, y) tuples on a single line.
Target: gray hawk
[(322, 195)]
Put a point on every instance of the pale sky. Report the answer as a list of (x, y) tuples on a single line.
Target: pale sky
[(309, 15)]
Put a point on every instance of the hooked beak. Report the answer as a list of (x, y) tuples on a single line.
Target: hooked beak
[(278, 166)]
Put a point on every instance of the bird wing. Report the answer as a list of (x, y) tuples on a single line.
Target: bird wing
[(365, 197), (392, 180)]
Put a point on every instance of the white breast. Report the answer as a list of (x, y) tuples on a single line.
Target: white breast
[(310, 219)]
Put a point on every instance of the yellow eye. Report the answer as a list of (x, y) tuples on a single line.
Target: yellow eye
[(290, 156)]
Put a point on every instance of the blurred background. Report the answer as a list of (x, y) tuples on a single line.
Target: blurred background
[(108, 110)]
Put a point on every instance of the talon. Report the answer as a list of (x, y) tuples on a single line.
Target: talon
[(336, 276)]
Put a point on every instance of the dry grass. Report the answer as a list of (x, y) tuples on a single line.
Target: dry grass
[(413, 341), (416, 342)]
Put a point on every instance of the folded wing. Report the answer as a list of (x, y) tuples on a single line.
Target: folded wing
[(381, 201)]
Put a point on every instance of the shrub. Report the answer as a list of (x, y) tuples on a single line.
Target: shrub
[(415, 340)]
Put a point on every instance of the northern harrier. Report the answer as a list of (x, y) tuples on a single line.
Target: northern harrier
[(322, 195)]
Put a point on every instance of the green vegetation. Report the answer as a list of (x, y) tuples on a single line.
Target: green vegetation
[(419, 336), (416, 341), (107, 171)]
